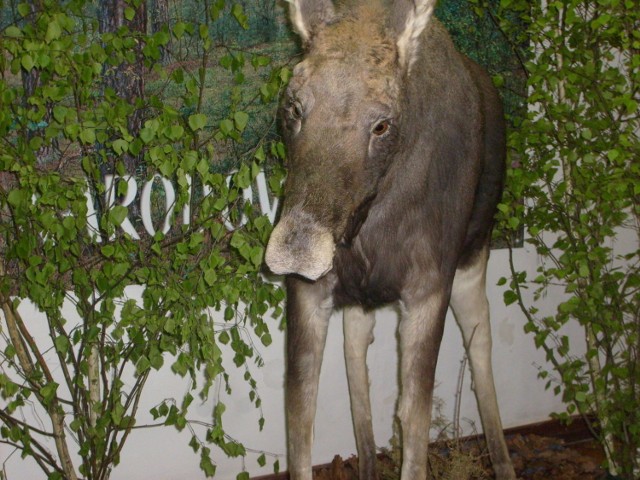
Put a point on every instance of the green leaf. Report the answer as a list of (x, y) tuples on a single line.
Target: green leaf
[(88, 135), (226, 126), (62, 344), (581, 397), (75, 424), (226, 61), (60, 113), (142, 365), (135, 147), (238, 12), (179, 29), (241, 119), (27, 62), (147, 134), (120, 146), (17, 198), (53, 31), (498, 80), (24, 9), (118, 213), (243, 180), (583, 270), (203, 29), (48, 392), (129, 13), (260, 61), (194, 444), (197, 121), (206, 465), (175, 132), (510, 297), (260, 155), (266, 339), (170, 325), (13, 32), (285, 75), (10, 351), (210, 276)]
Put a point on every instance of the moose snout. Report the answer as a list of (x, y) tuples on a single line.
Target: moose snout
[(300, 245)]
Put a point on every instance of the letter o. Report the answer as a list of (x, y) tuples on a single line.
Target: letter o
[(145, 204)]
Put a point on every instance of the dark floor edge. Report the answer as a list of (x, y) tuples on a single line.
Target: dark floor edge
[(577, 431)]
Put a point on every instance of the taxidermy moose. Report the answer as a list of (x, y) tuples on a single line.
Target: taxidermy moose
[(396, 163)]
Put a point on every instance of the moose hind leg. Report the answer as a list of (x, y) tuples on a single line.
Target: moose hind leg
[(358, 335), (308, 310), (471, 309)]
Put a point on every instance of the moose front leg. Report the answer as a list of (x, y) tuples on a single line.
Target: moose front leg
[(309, 306), (358, 335), (421, 328)]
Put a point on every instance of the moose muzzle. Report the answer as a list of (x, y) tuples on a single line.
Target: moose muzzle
[(299, 245)]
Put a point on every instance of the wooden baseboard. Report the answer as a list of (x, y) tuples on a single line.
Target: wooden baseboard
[(577, 431)]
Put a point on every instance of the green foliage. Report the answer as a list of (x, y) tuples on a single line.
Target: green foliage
[(574, 184), (68, 119)]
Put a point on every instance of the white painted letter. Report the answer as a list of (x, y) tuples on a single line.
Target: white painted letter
[(263, 197), (186, 210), (247, 194), (93, 227), (132, 189), (145, 204)]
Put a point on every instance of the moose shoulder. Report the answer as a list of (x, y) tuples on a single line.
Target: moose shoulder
[(396, 163)]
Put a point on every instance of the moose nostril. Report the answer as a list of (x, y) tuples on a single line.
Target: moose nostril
[(290, 237)]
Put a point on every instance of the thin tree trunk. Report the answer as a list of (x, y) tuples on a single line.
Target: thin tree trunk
[(23, 345)]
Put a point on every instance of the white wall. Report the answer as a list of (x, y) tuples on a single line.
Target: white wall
[(164, 454)]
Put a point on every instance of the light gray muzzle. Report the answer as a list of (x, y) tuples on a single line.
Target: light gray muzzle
[(299, 245)]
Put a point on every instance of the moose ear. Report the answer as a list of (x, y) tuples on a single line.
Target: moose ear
[(409, 18), (308, 15)]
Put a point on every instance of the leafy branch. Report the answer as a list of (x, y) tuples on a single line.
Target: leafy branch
[(575, 191), (86, 99)]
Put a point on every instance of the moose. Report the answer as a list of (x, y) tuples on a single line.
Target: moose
[(396, 158)]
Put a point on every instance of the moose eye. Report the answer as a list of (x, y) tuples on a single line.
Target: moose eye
[(293, 113), (295, 109), (381, 128)]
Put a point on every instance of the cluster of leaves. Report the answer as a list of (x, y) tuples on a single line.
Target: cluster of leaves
[(64, 126), (575, 187)]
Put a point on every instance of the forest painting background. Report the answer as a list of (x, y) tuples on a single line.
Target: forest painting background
[(257, 33)]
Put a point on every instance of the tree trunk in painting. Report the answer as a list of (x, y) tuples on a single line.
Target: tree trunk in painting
[(159, 18), (30, 82), (127, 79)]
